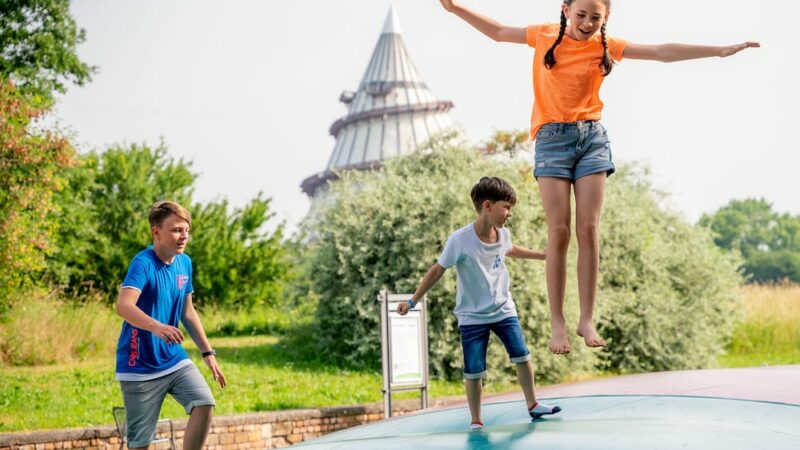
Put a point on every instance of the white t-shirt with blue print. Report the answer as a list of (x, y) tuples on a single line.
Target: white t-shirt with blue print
[(482, 294), (142, 355)]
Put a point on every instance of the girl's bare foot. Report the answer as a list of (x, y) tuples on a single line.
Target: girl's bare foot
[(559, 342), (589, 334)]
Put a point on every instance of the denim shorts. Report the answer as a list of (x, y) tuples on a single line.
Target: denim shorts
[(143, 400), (572, 150), (475, 340)]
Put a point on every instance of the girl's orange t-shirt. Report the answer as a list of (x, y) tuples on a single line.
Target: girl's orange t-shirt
[(570, 91)]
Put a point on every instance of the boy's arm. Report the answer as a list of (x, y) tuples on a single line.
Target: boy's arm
[(491, 28), (193, 325), (682, 52), (127, 309), (428, 281), (524, 253)]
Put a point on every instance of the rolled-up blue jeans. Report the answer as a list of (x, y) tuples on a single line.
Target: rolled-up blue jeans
[(475, 340)]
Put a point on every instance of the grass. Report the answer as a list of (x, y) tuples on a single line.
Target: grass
[(259, 320), (43, 329), (78, 389), (262, 376), (769, 333)]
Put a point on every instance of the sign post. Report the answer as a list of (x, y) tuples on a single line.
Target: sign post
[(404, 348)]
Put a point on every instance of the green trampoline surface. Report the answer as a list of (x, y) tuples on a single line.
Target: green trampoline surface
[(588, 422)]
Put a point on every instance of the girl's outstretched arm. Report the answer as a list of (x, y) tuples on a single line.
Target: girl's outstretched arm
[(682, 52), (495, 30)]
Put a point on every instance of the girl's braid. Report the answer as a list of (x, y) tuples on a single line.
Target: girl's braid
[(607, 63), (550, 56)]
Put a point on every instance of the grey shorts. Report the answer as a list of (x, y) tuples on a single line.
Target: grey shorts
[(143, 400)]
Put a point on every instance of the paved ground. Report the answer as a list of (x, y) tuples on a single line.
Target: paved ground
[(707, 409), (771, 383)]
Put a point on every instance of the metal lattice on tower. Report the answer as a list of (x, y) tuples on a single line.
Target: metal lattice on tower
[(391, 113)]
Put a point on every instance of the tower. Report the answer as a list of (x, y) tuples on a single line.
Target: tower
[(390, 114)]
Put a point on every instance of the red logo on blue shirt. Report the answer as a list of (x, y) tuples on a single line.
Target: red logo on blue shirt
[(182, 280), (134, 353)]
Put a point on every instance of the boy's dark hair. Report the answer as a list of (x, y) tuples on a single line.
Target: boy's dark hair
[(161, 210), (494, 189)]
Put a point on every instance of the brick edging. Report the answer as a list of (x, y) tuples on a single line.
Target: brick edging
[(402, 407)]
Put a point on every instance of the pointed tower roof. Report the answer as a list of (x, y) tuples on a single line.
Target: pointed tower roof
[(390, 114), (392, 24)]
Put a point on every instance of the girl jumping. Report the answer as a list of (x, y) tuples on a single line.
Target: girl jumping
[(572, 150)]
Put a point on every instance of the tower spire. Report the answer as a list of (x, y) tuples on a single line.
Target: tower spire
[(392, 24), (391, 113)]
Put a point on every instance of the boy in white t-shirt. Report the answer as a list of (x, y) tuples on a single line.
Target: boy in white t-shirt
[(483, 300)]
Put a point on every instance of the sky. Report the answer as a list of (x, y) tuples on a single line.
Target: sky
[(247, 89)]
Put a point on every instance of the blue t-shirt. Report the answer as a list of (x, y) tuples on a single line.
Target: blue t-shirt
[(163, 287)]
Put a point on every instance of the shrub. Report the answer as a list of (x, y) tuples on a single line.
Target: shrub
[(103, 224), (31, 160), (665, 296), (104, 219), (238, 264), (771, 267)]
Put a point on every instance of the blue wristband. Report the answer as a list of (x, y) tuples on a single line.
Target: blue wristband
[(411, 303)]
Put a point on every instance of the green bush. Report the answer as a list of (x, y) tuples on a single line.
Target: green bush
[(103, 221), (237, 263), (771, 267), (667, 294), (384, 229), (768, 241), (31, 162), (103, 224)]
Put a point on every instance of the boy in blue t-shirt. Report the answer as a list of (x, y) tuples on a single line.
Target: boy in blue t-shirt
[(155, 297), (483, 299)]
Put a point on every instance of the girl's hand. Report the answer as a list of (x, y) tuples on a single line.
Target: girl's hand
[(448, 4), (734, 49)]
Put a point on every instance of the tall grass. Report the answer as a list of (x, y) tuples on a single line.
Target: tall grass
[(769, 332), (43, 329)]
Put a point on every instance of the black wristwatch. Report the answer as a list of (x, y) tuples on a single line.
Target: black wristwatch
[(209, 353)]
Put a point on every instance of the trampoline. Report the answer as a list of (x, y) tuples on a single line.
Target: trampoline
[(588, 422)]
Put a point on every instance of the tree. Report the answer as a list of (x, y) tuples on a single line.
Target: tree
[(768, 241), (773, 267), (104, 218), (103, 224), (38, 46), (508, 142), (238, 263), (30, 163), (384, 229), (743, 225)]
